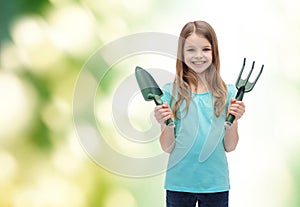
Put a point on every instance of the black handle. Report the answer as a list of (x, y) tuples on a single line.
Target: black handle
[(239, 96)]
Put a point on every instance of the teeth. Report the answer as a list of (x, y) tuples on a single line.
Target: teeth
[(198, 63)]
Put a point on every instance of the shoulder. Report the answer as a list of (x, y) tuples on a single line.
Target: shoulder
[(167, 92), (168, 87), (231, 90), (230, 87)]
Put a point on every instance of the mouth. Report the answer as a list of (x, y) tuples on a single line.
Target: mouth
[(199, 63)]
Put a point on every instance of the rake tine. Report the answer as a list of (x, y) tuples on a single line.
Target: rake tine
[(262, 67), (254, 82), (250, 72), (240, 75)]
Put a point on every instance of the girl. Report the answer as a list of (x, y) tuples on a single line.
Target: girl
[(198, 101)]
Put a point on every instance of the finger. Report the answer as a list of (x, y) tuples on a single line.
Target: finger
[(238, 113), (238, 105), (162, 119), (162, 113), (233, 100), (165, 105), (167, 116), (235, 114), (164, 109), (236, 109), (158, 107)]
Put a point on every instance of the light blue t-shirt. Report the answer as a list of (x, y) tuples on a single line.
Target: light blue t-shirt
[(198, 161)]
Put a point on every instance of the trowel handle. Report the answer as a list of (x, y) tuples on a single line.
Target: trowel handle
[(170, 123), (158, 101), (230, 118)]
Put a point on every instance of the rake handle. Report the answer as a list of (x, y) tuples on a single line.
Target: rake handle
[(158, 101), (239, 96)]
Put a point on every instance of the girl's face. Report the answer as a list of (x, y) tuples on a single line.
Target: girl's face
[(197, 53)]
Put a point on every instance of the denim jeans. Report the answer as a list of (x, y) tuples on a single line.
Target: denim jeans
[(183, 199)]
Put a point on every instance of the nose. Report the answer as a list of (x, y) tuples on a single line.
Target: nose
[(199, 54)]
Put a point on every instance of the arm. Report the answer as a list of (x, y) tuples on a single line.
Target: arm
[(167, 138), (231, 138)]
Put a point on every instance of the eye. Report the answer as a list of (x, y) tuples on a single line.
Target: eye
[(190, 49), (207, 49)]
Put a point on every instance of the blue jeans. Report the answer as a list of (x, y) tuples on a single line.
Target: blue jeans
[(183, 199)]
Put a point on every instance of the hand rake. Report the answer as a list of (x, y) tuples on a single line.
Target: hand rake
[(243, 86)]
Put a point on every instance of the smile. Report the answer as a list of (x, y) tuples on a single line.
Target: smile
[(198, 62)]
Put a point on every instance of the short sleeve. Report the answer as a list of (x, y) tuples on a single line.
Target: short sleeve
[(166, 98), (231, 91), (167, 93)]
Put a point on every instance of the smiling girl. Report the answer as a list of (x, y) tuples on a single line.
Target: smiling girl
[(198, 100)]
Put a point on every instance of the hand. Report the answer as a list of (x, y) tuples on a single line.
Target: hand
[(162, 113), (236, 108)]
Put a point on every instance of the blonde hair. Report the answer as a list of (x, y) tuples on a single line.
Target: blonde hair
[(186, 78)]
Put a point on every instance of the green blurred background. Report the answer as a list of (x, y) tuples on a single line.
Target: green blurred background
[(44, 45)]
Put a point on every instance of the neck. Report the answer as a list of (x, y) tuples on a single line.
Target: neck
[(201, 87)]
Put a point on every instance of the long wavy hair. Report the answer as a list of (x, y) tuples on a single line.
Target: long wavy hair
[(187, 78)]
